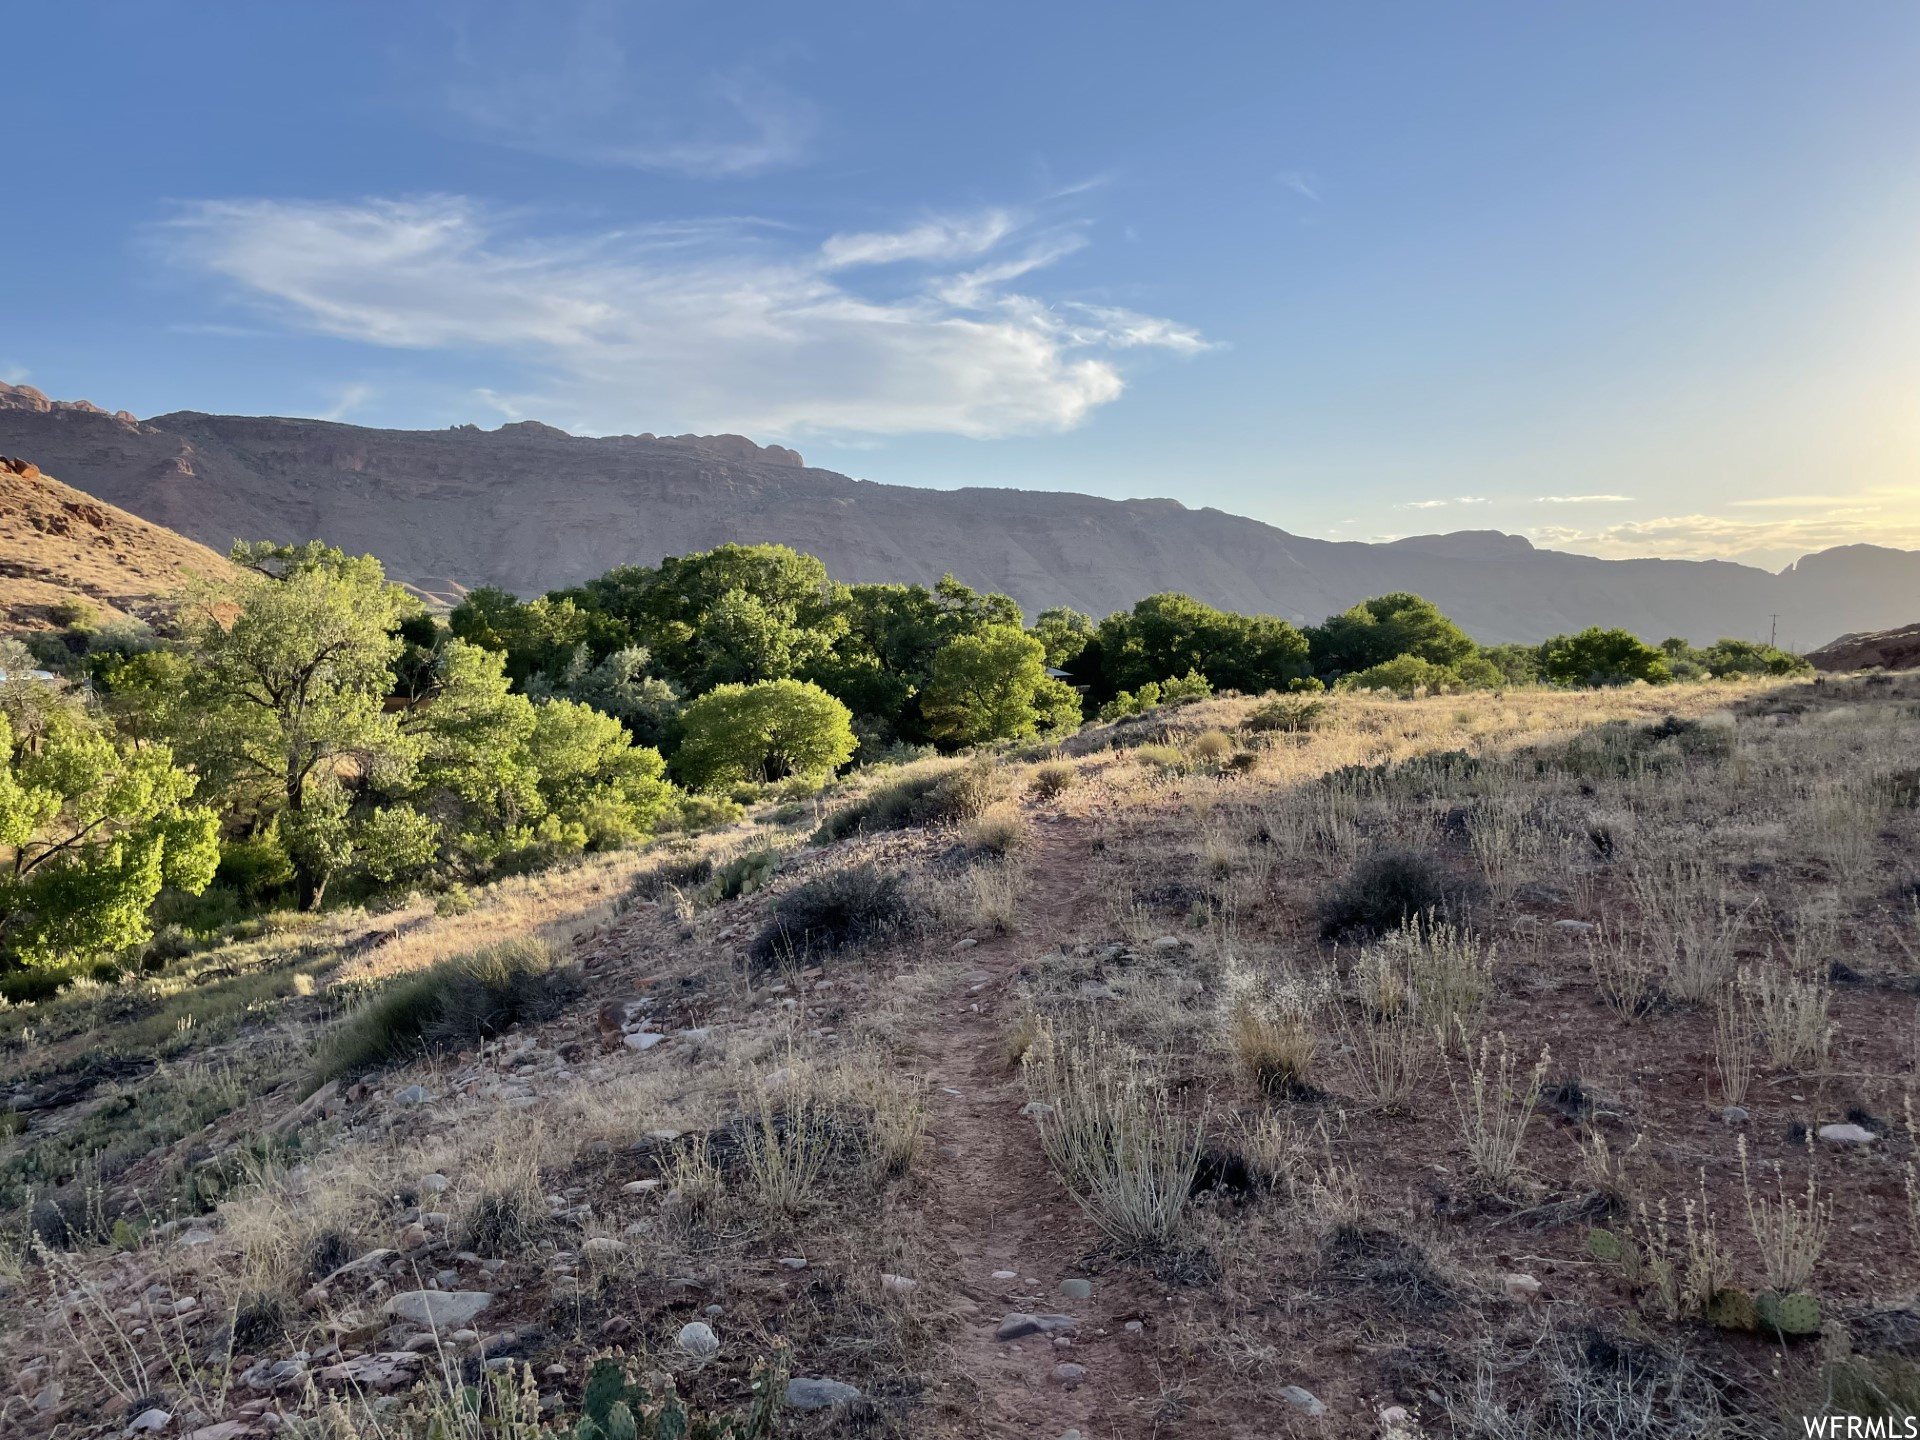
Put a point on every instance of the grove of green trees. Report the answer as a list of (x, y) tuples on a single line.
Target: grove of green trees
[(312, 731)]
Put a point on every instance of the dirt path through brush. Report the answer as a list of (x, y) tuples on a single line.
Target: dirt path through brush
[(999, 1208)]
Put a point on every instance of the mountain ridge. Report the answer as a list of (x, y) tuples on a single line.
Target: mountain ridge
[(529, 507)]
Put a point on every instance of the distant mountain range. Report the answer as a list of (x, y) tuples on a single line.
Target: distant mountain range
[(531, 508)]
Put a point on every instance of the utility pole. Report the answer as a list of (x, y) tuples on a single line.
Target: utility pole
[(1773, 630)]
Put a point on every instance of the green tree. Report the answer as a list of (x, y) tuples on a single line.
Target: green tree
[(90, 830), (592, 778), (1064, 633), (1603, 657), (1732, 659), (290, 690), (1384, 628), (1517, 664), (617, 685), (993, 685), (762, 732), (1169, 635), (732, 615)]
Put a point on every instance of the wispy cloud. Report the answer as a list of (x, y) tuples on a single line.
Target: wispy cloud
[(1722, 537), (351, 398), (1582, 499), (1301, 182), (560, 80), (1438, 504), (705, 326), (14, 374)]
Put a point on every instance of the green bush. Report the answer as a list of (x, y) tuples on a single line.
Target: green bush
[(258, 869), (450, 1006), (709, 812), (919, 797), (1389, 889), (842, 909), (1286, 714)]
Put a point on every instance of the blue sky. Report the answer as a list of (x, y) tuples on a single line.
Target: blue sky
[(1634, 278)]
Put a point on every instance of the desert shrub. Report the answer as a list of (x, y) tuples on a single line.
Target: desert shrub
[(1286, 714), (742, 875), (1211, 747), (1052, 779), (1163, 758), (841, 909), (998, 831), (1390, 889), (450, 1006), (1113, 1138), (709, 812), (918, 797)]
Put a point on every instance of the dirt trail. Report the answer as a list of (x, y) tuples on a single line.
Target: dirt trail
[(998, 1207)]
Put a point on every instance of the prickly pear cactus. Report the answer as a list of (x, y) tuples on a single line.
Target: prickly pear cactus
[(606, 1387), (1603, 1245), (1799, 1314), (1732, 1310), (620, 1424)]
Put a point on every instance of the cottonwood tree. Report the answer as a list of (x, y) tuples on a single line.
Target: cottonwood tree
[(289, 683), (993, 685), (761, 733), (91, 829)]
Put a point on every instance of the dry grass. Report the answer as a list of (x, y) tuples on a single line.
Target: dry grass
[(1495, 1105), (1694, 924), (1790, 1232), (1623, 971), (1113, 1136), (1793, 1013)]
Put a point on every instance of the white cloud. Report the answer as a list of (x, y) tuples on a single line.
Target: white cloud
[(699, 325), (1437, 504), (1721, 537), (14, 375), (1582, 499), (350, 399)]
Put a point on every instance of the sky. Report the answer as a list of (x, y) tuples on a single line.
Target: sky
[(1627, 279)]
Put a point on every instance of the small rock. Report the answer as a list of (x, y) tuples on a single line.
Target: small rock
[(412, 1095), (698, 1340), (1523, 1288), (435, 1184), (1734, 1115), (1395, 1419), (640, 1187), (1573, 927), (699, 1035), (446, 1279), (793, 1262), (966, 944), (1847, 1135), (805, 1394), (1069, 1374), (1034, 1109), (643, 1040), (1077, 1289), (438, 1309), (150, 1421), (896, 1284), (1134, 1327), (1018, 1324), (602, 1247), (414, 1237), (1167, 942), (1006, 1274), (1304, 1400)]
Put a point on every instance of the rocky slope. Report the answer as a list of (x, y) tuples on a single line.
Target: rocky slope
[(1878, 650), (530, 507), (59, 545)]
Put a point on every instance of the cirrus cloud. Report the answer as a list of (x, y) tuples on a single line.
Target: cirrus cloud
[(707, 325)]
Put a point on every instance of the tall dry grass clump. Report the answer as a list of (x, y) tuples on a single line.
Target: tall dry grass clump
[(1495, 1105), (1623, 969), (1790, 1232), (1693, 923), (1113, 1137), (1273, 1030), (1793, 1013)]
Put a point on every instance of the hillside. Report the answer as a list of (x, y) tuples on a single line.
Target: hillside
[(530, 507), (1113, 1101), (58, 545)]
